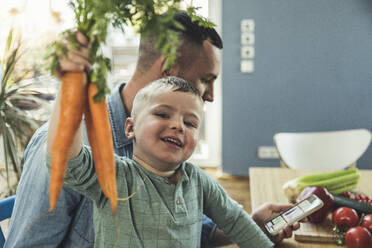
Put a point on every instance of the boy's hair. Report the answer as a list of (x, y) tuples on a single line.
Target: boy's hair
[(164, 84), (191, 43)]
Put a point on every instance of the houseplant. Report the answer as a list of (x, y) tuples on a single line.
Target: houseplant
[(16, 125)]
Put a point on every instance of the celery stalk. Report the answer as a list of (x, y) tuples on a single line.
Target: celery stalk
[(341, 185), (334, 182), (345, 188), (326, 176)]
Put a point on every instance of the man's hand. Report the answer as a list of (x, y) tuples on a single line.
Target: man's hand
[(77, 60), (269, 210)]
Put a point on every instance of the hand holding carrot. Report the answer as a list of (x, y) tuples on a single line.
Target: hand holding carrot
[(65, 142), (76, 60)]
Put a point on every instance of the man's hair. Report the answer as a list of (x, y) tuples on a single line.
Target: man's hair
[(170, 84), (191, 43)]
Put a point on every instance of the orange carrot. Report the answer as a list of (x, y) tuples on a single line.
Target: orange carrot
[(92, 137), (104, 142), (73, 97)]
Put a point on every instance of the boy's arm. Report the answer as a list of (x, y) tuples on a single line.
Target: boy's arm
[(230, 216)]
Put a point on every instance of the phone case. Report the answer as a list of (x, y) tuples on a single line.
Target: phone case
[(293, 214)]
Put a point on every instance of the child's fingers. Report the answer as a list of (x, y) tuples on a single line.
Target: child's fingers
[(82, 52), (82, 39), (67, 65), (82, 48), (78, 59)]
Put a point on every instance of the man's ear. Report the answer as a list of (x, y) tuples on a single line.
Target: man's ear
[(128, 128), (172, 71)]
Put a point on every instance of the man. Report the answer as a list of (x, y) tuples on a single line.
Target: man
[(71, 223)]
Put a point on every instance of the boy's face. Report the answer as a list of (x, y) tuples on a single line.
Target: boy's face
[(166, 129)]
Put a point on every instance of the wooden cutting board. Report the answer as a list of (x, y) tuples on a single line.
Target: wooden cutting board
[(321, 232)]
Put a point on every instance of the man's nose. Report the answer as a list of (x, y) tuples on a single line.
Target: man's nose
[(208, 95)]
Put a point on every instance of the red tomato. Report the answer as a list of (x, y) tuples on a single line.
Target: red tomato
[(367, 222), (358, 237), (345, 217)]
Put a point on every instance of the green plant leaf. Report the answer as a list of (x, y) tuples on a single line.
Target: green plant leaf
[(15, 125), (8, 43)]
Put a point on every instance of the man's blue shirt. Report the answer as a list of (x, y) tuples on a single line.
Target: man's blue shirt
[(71, 223)]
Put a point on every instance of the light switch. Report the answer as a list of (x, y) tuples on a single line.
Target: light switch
[(267, 152), (247, 39), (247, 25), (247, 52), (246, 66)]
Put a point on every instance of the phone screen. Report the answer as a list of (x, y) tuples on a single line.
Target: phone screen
[(292, 214)]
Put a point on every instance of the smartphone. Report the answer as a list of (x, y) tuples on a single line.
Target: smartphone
[(299, 211)]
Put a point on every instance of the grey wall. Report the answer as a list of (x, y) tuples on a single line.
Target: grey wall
[(313, 72)]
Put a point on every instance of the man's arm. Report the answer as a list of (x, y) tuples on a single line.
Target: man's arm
[(69, 225)]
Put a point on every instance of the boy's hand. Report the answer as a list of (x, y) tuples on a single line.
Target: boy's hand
[(77, 60), (269, 210)]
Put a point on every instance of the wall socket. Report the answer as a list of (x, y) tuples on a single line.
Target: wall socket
[(267, 152), (247, 52), (247, 39), (247, 25)]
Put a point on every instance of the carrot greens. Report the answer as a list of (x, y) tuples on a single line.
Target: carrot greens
[(93, 17)]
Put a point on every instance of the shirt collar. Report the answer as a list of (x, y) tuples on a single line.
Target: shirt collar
[(182, 170), (117, 116)]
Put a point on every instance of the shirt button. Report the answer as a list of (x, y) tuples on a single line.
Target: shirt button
[(178, 201)]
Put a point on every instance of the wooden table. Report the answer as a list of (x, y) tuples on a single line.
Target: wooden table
[(266, 186)]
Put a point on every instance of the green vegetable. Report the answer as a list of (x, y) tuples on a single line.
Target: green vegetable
[(93, 17), (360, 207), (335, 182)]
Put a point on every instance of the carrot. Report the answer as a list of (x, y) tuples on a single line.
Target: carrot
[(92, 137), (105, 165), (73, 97)]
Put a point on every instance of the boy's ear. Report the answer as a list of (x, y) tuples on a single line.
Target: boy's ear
[(128, 128)]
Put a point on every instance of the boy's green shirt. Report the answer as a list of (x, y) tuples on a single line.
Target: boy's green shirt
[(160, 214)]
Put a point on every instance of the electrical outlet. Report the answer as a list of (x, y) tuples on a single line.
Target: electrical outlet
[(247, 52), (247, 25), (247, 39), (267, 152)]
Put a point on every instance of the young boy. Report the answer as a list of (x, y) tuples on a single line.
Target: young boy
[(171, 194)]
